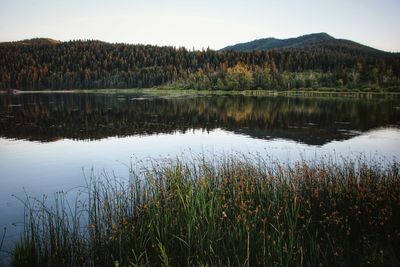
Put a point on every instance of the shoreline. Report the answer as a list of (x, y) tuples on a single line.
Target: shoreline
[(280, 214), (183, 92)]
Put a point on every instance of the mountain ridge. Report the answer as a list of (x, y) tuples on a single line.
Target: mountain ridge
[(307, 41), (36, 41), (301, 42)]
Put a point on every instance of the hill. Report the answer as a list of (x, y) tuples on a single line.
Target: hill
[(302, 42), (34, 41), (311, 61)]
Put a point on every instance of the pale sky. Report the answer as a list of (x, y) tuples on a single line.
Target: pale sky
[(201, 24)]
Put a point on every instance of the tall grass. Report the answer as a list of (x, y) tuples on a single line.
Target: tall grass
[(230, 211)]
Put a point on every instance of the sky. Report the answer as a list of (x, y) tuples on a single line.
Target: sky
[(201, 24)]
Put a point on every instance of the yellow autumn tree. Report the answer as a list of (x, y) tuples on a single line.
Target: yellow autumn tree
[(239, 77)]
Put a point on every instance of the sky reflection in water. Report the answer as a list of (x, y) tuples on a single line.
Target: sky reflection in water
[(48, 142)]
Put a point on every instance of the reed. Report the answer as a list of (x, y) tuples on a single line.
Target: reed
[(227, 211)]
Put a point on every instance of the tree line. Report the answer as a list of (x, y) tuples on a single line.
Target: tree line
[(95, 64)]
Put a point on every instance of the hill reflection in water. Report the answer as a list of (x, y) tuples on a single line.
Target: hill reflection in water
[(313, 121)]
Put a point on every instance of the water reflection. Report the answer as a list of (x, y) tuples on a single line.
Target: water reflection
[(140, 126), (314, 121)]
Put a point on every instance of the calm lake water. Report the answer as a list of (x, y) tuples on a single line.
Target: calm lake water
[(47, 141)]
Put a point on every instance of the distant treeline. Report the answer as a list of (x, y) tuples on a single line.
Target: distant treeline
[(95, 64)]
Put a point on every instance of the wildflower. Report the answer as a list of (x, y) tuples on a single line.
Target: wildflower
[(224, 215)]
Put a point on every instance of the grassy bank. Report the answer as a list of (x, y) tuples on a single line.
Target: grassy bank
[(171, 91), (229, 211)]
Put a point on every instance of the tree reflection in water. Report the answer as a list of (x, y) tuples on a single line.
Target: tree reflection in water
[(314, 121)]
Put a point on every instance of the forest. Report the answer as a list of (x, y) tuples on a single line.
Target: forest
[(89, 64)]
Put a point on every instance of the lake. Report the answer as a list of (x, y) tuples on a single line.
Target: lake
[(48, 141)]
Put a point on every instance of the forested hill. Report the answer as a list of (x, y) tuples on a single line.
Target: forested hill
[(322, 40), (39, 64)]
